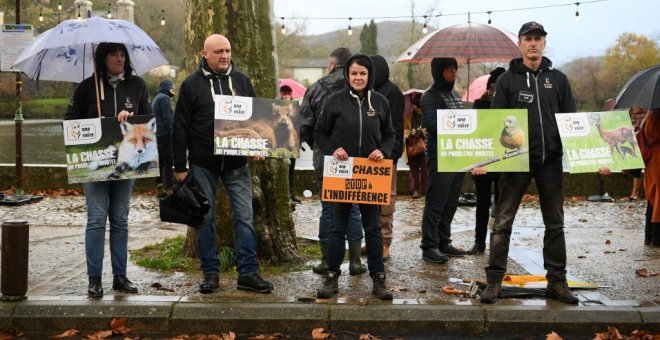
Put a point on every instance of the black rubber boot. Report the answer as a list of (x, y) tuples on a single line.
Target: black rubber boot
[(322, 267), (355, 266), (95, 288)]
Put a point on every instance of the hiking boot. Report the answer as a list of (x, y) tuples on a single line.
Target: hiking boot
[(330, 286), (210, 284), (491, 292), (355, 266), (559, 290), (253, 282), (450, 250), (433, 255), (123, 284), (476, 249), (95, 288), (322, 267), (379, 288)]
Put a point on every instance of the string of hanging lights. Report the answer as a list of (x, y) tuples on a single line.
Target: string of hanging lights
[(426, 18)]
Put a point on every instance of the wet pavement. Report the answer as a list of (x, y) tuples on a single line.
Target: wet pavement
[(604, 241)]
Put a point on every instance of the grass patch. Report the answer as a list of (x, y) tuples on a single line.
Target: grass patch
[(166, 256), (36, 107)]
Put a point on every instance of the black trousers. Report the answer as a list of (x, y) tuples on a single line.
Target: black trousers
[(165, 162), (440, 206)]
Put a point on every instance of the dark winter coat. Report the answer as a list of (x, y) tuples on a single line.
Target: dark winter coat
[(543, 93), (394, 96), (359, 125), (439, 96), (315, 97), (161, 106), (131, 95), (192, 137)]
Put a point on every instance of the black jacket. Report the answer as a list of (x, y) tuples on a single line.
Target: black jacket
[(131, 95), (439, 96), (543, 93), (384, 86), (359, 125), (313, 101), (192, 137)]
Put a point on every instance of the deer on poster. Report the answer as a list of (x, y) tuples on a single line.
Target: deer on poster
[(616, 137)]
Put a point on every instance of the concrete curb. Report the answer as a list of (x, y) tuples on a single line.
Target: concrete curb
[(178, 316)]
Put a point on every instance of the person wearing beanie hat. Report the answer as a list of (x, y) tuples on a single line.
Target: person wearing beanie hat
[(444, 187), (483, 183), (161, 106), (532, 83)]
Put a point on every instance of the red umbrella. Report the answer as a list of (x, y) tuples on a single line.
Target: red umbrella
[(297, 88), (476, 89), (468, 43)]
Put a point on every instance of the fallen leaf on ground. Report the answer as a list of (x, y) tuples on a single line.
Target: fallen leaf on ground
[(645, 273), (319, 333), (552, 336), (399, 289), (611, 334), (100, 335), (623, 249), (422, 291), (583, 220), (368, 337), (118, 323), (581, 257), (608, 241), (609, 252), (267, 336), (66, 334)]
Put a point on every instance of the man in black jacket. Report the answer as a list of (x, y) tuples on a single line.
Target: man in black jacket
[(444, 187), (192, 141), (310, 111), (532, 83), (384, 86)]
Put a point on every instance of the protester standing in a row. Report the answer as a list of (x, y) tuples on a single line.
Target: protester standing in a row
[(122, 95), (532, 83), (444, 187), (356, 122), (650, 130), (192, 144), (161, 106)]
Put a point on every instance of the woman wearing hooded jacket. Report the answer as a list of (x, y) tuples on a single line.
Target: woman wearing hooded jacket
[(122, 95), (356, 122)]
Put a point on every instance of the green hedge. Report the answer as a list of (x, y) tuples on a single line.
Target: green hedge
[(36, 108)]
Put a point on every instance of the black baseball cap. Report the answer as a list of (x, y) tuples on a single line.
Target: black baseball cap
[(532, 27)]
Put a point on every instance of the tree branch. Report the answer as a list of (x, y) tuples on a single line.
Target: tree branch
[(518, 152)]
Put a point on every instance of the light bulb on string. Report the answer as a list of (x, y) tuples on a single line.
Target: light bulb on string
[(350, 30), (424, 29), (59, 6), (79, 16), (162, 20), (283, 28), (489, 22), (41, 17), (109, 14), (577, 12)]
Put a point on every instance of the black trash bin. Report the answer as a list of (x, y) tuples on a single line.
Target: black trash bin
[(14, 271)]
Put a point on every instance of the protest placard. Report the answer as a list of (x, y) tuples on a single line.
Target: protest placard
[(357, 180)]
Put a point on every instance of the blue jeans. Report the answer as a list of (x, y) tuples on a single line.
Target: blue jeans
[(238, 185), (107, 201), (354, 229)]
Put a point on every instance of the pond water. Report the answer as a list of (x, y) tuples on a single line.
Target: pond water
[(43, 144)]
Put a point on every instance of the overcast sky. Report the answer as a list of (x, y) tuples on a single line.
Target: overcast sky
[(599, 26)]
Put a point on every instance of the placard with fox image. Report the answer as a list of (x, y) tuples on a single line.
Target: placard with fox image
[(247, 126), (102, 149)]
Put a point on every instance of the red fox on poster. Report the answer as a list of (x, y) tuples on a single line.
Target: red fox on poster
[(138, 150)]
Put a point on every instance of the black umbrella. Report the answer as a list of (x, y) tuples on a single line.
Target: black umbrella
[(641, 90)]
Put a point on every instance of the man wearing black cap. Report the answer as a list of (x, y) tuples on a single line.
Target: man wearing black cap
[(444, 187), (532, 83)]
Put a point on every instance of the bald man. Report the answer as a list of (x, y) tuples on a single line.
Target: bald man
[(192, 145)]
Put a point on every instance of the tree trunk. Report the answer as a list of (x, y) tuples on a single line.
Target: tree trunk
[(247, 25)]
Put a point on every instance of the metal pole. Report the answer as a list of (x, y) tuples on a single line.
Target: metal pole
[(14, 269), (18, 120)]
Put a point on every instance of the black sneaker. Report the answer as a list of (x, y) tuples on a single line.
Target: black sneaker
[(210, 284), (450, 250), (253, 282), (559, 290), (476, 249), (433, 255)]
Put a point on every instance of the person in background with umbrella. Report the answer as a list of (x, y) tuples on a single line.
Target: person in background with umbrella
[(444, 187), (483, 183), (413, 127), (161, 106), (122, 95), (532, 83), (286, 94), (355, 122)]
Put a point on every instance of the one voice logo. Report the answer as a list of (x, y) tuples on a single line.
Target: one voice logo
[(233, 107), (573, 124), (457, 122), (336, 168), (82, 131)]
